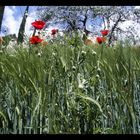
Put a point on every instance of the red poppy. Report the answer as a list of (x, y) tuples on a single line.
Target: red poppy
[(38, 24), (35, 40), (99, 40), (104, 32), (54, 31)]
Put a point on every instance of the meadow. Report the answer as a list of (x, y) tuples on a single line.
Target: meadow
[(70, 88)]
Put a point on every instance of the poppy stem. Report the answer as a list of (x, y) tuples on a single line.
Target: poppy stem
[(102, 50), (29, 50), (34, 32)]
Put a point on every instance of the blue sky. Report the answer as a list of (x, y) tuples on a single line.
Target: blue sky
[(13, 16), (20, 10)]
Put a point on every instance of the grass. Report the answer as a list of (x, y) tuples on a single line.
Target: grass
[(70, 89)]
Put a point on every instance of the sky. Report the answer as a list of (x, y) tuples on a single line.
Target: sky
[(13, 16)]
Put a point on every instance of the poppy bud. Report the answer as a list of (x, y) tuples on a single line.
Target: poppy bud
[(73, 68), (83, 53), (54, 31), (99, 40)]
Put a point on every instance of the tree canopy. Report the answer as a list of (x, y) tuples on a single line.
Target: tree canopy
[(76, 17)]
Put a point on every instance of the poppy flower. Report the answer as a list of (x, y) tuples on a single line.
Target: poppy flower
[(99, 40), (35, 40), (38, 24), (104, 32), (54, 31)]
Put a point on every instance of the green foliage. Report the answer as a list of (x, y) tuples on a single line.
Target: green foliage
[(70, 89), (8, 38)]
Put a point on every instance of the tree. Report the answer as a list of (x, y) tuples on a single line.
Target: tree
[(116, 17), (1, 15), (113, 16), (22, 26), (71, 16)]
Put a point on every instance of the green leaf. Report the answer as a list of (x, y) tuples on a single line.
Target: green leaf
[(93, 101)]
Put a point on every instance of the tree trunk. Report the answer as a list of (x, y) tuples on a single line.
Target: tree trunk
[(84, 24), (1, 15), (113, 28), (22, 26)]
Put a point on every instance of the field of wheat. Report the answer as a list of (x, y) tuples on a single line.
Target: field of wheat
[(70, 89)]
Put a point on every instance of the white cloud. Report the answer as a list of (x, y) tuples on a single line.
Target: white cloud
[(137, 7), (12, 22), (31, 18), (9, 21), (13, 7)]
